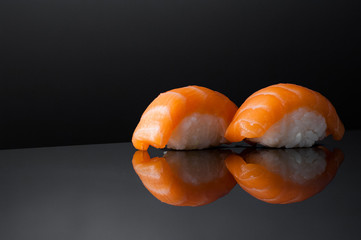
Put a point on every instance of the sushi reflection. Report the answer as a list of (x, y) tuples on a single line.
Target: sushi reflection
[(185, 178), (284, 175)]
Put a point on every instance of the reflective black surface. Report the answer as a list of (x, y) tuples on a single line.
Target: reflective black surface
[(93, 192)]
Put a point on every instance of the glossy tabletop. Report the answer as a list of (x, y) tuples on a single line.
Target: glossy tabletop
[(111, 191)]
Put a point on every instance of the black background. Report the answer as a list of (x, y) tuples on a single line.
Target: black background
[(77, 72)]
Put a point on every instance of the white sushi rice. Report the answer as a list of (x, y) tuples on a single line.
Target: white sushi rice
[(300, 128), (198, 131)]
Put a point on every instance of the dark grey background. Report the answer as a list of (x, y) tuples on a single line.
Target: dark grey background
[(76, 72)]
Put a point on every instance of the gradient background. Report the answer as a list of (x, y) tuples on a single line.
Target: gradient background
[(78, 72)]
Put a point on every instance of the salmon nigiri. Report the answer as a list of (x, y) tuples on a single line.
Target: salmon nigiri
[(285, 115), (284, 175), (185, 118), (185, 178)]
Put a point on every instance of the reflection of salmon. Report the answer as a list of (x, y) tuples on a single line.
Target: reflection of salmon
[(268, 106), (185, 178), (263, 174), (185, 118)]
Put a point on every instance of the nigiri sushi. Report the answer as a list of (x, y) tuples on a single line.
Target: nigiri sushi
[(285, 115), (185, 178), (191, 117), (283, 176)]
